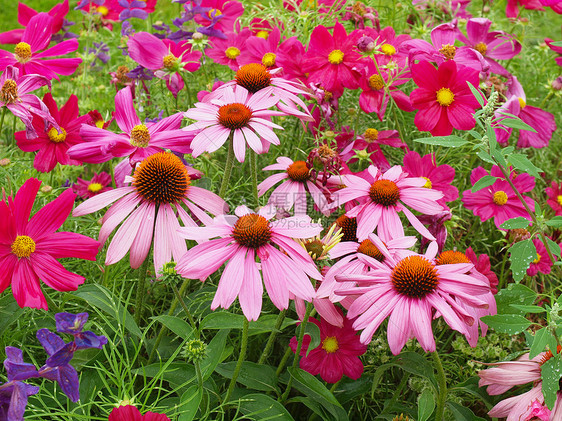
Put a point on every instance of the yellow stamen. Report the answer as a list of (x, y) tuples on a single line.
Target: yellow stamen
[(55, 136), (500, 198), (263, 34), (23, 52), (232, 52), (335, 57), (388, 49), (102, 10), (95, 187), (330, 344), (522, 103), (140, 137), (169, 61), (23, 246), (427, 184), (445, 97), (9, 91), (481, 48), (268, 59)]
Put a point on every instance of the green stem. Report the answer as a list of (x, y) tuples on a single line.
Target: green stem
[(442, 382), (254, 174), (241, 357), (186, 310), (283, 361), (2, 120), (272, 337), (228, 167), (199, 375), (141, 288)]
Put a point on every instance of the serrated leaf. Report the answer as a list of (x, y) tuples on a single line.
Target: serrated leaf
[(521, 256), (539, 342), (450, 141), (515, 223), (477, 94), (551, 372), (514, 294), (515, 123), (484, 182), (426, 405), (555, 222), (522, 163), (507, 323)]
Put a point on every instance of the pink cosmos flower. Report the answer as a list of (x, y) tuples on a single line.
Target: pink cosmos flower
[(285, 270), (391, 47), (99, 183), (482, 264), (290, 56), (557, 50), (297, 183), (333, 61), (160, 188), (260, 50), (437, 177), (226, 51), (51, 143), (382, 196), (29, 58), (499, 200), (443, 98), (30, 248), (130, 413), (111, 9), (237, 114), (411, 291), (542, 263), (336, 356), (512, 7), (138, 141), (221, 14), (554, 193), (369, 142)]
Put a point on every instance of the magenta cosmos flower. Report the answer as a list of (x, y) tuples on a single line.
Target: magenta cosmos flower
[(130, 413), (382, 196), (333, 61), (482, 264), (160, 188), (238, 114), (443, 97), (99, 183), (411, 291), (28, 58), (554, 193), (52, 144), (285, 270), (389, 46), (556, 49), (226, 51), (369, 143), (221, 14), (297, 182), (30, 248), (336, 356), (138, 141), (260, 50), (542, 262), (499, 200)]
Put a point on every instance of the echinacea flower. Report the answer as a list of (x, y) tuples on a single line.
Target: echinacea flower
[(336, 356), (30, 249), (51, 143), (410, 291), (285, 270), (237, 114), (131, 413), (554, 193), (99, 183), (29, 58), (499, 201), (159, 188), (226, 51), (443, 97), (382, 196)]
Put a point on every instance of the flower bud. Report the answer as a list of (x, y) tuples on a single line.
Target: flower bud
[(195, 350), (557, 83), (366, 44)]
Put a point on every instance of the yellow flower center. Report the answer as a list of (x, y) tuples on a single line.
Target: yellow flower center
[(232, 52), (559, 200), (102, 10), (169, 61), (140, 136), (22, 52), (522, 103), (445, 97), (388, 49), (9, 92), (376, 82), (330, 344), (448, 51), (95, 187), (371, 135), (537, 260), (268, 59), (99, 124), (481, 48), (263, 34), (335, 57), (55, 136), (214, 12), (23, 246), (500, 198), (427, 184)]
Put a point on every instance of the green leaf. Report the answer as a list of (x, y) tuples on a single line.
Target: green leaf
[(484, 182), (528, 309), (225, 320), (556, 43), (515, 223), (522, 254), (477, 94), (555, 222), (189, 403), (426, 405), (554, 247), (252, 375), (462, 413), (539, 342), (450, 141), (9, 312), (416, 364), (551, 372), (174, 373), (484, 156), (257, 406), (313, 331), (516, 123), (522, 163), (215, 353), (514, 294), (507, 323), (175, 324)]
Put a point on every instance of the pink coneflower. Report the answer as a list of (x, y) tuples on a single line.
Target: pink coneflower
[(499, 200), (30, 248), (336, 356), (542, 262), (242, 239), (226, 51), (438, 177), (262, 50), (138, 141), (293, 191), (554, 193), (130, 413), (99, 183), (160, 187), (28, 58), (333, 61), (237, 114), (482, 264), (382, 196), (411, 291), (51, 143)]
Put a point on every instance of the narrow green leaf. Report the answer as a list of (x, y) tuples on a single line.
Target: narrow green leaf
[(257, 406), (484, 156), (556, 43), (252, 375), (528, 309), (515, 223), (484, 182), (555, 222), (507, 323), (477, 94), (189, 403), (426, 405), (522, 163), (521, 256), (175, 324), (516, 123), (461, 413), (551, 372), (539, 342), (450, 141), (554, 247)]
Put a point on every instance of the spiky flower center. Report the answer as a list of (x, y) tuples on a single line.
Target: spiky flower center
[(9, 92), (140, 137), (315, 248), (348, 227), (522, 103), (55, 136), (214, 12), (548, 355), (445, 97), (368, 248), (384, 192), (335, 57), (376, 82), (234, 116), (427, 184), (371, 135), (262, 34), (450, 257), (298, 171), (232, 52), (102, 10), (268, 59), (95, 187), (500, 198), (388, 49), (448, 51), (23, 246), (481, 48), (330, 344), (254, 76), (252, 231), (559, 199), (169, 61), (161, 178), (22, 52), (415, 277)]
